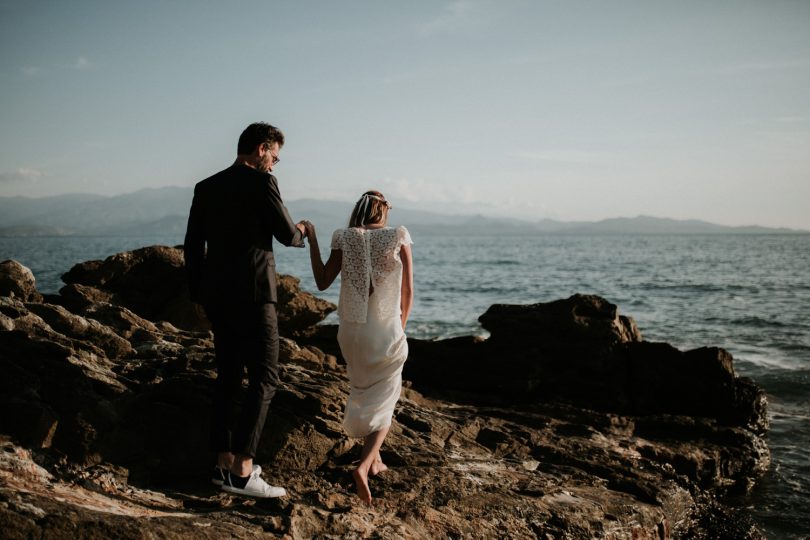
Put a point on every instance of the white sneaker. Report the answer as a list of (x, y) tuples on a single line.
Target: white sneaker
[(255, 487), (218, 476)]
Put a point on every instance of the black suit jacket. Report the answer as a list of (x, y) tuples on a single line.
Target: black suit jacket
[(236, 212)]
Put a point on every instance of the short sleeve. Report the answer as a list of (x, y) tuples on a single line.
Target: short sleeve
[(337, 238), (403, 236)]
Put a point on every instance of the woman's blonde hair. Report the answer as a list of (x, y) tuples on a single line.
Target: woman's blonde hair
[(372, 208)]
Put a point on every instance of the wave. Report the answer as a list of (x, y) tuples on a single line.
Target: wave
[(758, 322), (687, 287), (504, 262), (766, 362)]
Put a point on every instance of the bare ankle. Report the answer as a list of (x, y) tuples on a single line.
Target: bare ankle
[(242, 466)]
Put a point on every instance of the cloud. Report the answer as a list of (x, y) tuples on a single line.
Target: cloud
[(23, 175), (421, 190), (451, 198), (82, 63), (31, 71)]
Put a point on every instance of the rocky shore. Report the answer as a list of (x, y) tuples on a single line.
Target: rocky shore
[(564, 423)]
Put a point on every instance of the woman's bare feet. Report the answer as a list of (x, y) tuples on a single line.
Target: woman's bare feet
[(377, 466), (361, 481)]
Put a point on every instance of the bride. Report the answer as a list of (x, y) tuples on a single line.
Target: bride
[(376, 294)]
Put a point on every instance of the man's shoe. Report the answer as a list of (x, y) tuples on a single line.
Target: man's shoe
[(254, 487), (219, 474)]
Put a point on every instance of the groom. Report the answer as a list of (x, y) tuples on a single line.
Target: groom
[(237, 212)]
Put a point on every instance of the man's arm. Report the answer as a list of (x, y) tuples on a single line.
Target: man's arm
[(283, 227), (194, 248)]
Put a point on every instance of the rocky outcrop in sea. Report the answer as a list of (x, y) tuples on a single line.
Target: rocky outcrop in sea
[(564, 423)]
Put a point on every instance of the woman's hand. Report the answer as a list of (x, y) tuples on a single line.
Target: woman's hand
[(324, 274), (310, 229)]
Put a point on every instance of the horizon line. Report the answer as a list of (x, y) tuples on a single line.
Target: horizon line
[(413, 207)]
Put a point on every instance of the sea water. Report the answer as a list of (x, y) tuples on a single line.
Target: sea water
[(749, 294)]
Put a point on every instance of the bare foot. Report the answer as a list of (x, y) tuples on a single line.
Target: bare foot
[(361, 480), (377, 466)]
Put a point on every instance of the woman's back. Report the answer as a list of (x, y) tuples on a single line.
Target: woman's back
[(371, 265)]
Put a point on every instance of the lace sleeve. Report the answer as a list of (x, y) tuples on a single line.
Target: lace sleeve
[(403, 236), (336, 239)]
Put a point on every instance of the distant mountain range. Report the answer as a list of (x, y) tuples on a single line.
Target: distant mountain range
[(164, 211)]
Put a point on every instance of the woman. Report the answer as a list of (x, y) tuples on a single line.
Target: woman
[(376, 294)]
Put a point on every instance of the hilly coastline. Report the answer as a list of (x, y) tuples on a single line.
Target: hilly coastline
[(164, 211)]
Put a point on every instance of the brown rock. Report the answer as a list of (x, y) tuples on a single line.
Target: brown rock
[(57, 399), (299, 310), (77, 297), (700, 382), (151, 282), (581, 351), (581, 319), (120, 319), (77, 327), (18, 281), (17, 317)]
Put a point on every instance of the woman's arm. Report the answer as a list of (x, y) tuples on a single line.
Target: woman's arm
[(407, 282), (324, 274)]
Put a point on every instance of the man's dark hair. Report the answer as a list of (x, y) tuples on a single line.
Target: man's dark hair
[(256, 134)]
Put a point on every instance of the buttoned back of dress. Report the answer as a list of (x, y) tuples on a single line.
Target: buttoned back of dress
[(371, 262)]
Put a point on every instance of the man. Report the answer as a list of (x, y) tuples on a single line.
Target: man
[(237, 212)]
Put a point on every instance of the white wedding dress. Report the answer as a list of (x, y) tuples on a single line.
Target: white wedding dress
[(370, 335)]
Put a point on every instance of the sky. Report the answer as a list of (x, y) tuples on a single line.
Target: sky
[(569, 110)]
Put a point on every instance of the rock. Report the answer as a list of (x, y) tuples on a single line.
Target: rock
[(571, 427), (95, 504), (77, 297), (18, 281), (581, 319), (700, 382), (308, 357), (80, 328), (581, 351), (151, 282), (17, 317), (120, 319), (54, 398), (299, 310), (6, 323), (563, 350)]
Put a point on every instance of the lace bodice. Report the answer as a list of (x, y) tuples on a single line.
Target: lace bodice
[(370, 261)]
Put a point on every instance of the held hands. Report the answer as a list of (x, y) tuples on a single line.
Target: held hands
[(301, 227), (309, 230)]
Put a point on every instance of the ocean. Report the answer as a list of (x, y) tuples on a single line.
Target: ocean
[(749, 294)]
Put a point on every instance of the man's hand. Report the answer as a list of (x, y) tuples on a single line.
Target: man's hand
[(301, 227)]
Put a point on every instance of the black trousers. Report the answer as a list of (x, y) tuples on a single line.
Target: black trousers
[(245, 336)]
